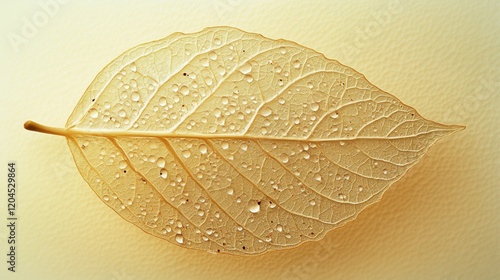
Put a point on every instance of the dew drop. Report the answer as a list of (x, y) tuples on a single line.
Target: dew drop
[(230, 191), (221, 70), (209, 81), (296, 64), (314, 107), (283, 158), (279, 227), (179, 238), (312, 202), (212, 55), (266, 111), (244, 147), (204, 62), (135, 96), (93, 113), (317, 177), (246, 68), (224, 145), (253, 206), (160, 162), (249, 78), (186, 153), (122, 164), (203, 148), (334, 115), (133, 67), (163, 101), (201, 213), (163, 173), (122, 113), (105, 197), (184, 90), (384, 171)]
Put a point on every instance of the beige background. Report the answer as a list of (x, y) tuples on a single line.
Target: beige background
[(441, 221)]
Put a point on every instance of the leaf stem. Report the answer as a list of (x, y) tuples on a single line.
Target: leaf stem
[(33, 126)]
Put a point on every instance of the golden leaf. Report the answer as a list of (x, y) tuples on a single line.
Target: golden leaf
[(227, 141)]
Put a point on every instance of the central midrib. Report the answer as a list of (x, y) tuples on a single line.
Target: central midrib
[(160, 134)]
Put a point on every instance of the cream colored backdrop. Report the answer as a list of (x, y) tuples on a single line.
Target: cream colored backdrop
[(440, 221)]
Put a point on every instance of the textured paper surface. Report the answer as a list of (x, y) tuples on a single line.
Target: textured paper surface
[(439, 221)]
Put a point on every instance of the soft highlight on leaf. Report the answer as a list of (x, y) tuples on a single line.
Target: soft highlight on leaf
[(230, 142)]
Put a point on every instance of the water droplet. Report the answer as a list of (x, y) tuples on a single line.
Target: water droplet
[(122, 164), (283, 157), (93, 113), (162, 101), (209, 81), (212, 55), (249, 78), (317, 177), (160, 162), (201, 213), (179, 238), (135, 96), (279, 227), (230, 191), (122, 113), (209, 231), (312, 202), (266, 111), (217, 41), (204, 62), (184, 90), (186, 153), (384, 171), (360, 188), (282, 50), (217, 112), (203, 148), (314, 107), (244, 147), (341, 143), (310, 85), (105, 197), (253, 206), (224, 145), (281, 101), (163, 173), (246, 68), (224, 100), (296, 64), (133, 67), (221, 70), (334, 115)]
